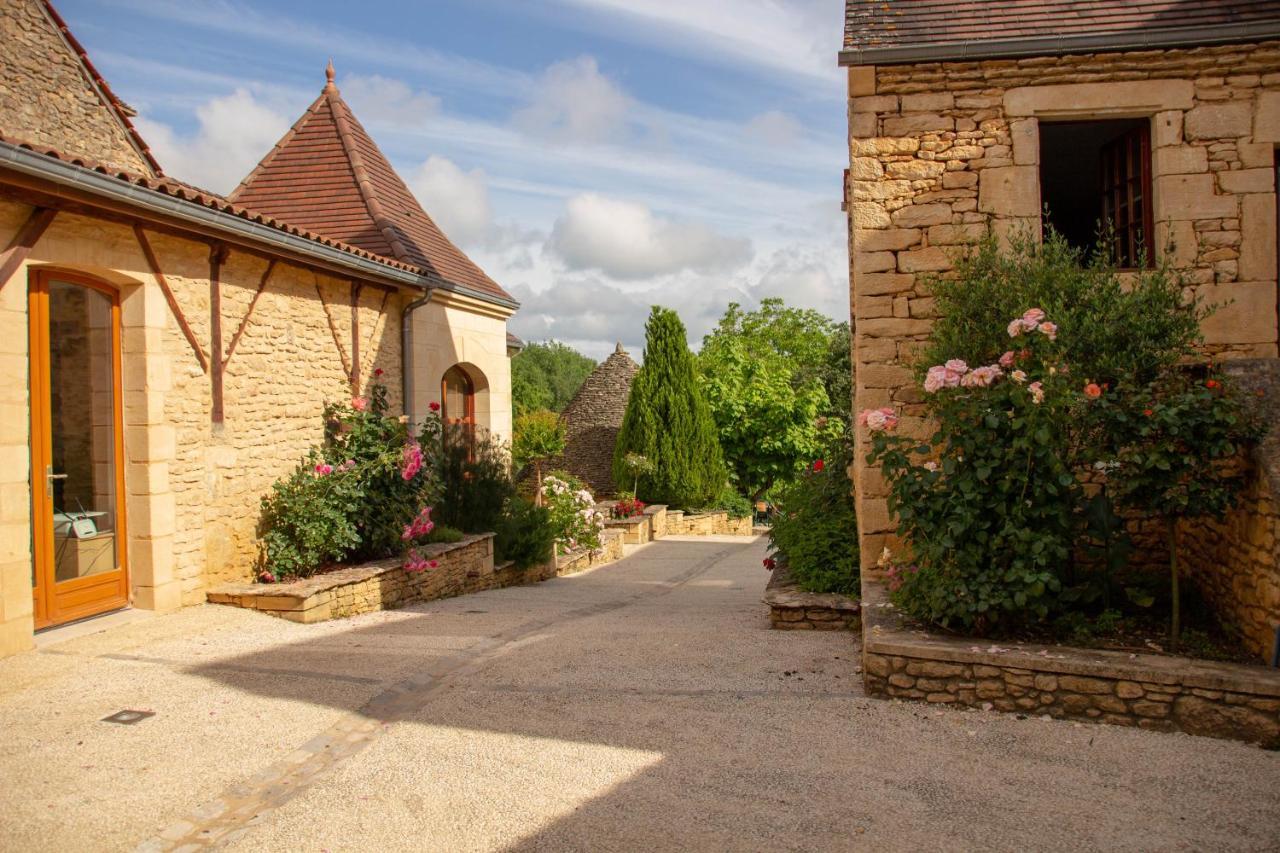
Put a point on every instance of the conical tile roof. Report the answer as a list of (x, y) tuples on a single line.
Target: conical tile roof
[(328, 176)]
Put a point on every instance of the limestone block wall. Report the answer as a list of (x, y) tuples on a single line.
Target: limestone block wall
[(940, 152), (47, 99), (456, 330), (192, 488)]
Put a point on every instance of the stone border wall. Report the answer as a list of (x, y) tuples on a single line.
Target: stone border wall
[(1150, 691), (794, 609), (658, 521), (465, 567)]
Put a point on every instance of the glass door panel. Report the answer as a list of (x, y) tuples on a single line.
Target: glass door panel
[(76, 442)]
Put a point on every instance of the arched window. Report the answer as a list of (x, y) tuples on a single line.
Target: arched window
[(459, 407)]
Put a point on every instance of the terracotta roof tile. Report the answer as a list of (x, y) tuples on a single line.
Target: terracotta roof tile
[(327, 175), (204, 198), (871, 24)]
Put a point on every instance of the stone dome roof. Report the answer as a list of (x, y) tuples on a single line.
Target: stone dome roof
[(592, 420)]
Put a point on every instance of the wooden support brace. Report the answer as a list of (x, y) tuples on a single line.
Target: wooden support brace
[(355, 338), (19, 248), (333, 330), (217, 257), (244, 323), (170, 298)]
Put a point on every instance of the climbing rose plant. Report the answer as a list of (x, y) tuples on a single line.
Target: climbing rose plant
[(574, 517)]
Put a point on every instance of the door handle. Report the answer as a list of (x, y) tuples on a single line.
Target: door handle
[(50, 477)]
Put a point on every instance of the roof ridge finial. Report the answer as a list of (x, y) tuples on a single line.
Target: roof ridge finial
[(618, 349), (329, 85)]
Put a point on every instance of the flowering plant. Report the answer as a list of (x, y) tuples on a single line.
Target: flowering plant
[(627, 506), (574, 517), (414, 532)]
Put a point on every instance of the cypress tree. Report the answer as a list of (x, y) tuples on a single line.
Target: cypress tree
[(669, 422)]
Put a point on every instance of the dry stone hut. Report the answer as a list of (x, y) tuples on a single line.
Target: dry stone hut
[(593, 418)]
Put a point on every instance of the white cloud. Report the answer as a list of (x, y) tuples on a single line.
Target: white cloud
[(626, 240), (799, 37), (375, 98), (458, 201), (573, 102), (235, 132), (775, 129)]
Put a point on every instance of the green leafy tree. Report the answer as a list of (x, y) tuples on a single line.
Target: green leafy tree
[(538, 436), (546, 376), (669, 422), (764, 374)]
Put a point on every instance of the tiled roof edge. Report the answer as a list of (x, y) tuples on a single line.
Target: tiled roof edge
[(1139, 39)]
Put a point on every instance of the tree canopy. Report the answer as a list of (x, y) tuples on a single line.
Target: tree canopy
[(546, 376), (766, 374), (669, 422)]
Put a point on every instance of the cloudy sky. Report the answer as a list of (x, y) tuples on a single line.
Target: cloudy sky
[(594, 156)]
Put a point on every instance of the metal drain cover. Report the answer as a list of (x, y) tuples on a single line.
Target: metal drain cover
[(128, 718)]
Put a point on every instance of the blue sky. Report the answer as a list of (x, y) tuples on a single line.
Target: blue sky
[(594, 156)]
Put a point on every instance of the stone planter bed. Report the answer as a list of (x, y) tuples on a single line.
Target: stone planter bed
[(658, 521), (794, 609), (636, 530), (465, 567), (1152, 691)]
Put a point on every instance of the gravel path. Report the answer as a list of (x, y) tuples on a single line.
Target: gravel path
[(644, 705)]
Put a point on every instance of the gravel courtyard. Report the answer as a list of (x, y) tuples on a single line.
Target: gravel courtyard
[(644, 705)]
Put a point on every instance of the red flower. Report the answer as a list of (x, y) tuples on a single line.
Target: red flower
[(1092, 390), (818, 465), (1212, 383), (1148, 412), (770, 563), (377, 372), (435, 407)]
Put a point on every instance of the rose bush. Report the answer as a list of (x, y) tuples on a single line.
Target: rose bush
[(574, 517)]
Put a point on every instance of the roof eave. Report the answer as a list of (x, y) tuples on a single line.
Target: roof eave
[(1142, 39), (153, 204)]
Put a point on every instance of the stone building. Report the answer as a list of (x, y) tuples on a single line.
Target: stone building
[(165, 352), (969, 116), (592, 420)]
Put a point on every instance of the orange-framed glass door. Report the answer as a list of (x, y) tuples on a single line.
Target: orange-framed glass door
[(77, 449)]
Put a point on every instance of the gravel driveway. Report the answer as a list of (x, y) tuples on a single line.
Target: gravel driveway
[(643, 706)]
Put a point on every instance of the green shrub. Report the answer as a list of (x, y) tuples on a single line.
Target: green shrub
[(442, 534), (538, 436), (525, 534), (669, 422), (575, 522), (1077, 379), (308, 520), (352, 497), (732, 502), (816, 529), (475, 477)]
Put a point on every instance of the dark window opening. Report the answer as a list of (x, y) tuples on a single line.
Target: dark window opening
[(1095, 176)]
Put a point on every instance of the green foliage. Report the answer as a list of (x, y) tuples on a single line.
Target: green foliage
[(308, 521), (525, 534), (442, 534), (475, 478), (352, 497), (546, 376), (993, 502), (731, 501), (539, 436), (669, 422), (837, 374), (635, 466), (816, 529), (576, 524), (763, 372), (1130, 330)]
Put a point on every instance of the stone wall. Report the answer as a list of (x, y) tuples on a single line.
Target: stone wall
[(940, 152), (592, 420), (794, 609), (193, 489), (47, 98), (1149, 691), (1236, 562)]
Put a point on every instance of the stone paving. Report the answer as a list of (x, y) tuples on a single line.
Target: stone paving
[(645, 704)]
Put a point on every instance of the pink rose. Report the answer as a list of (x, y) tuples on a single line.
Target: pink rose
[(1006, 360), (1037, 392), (1049, 330), (878, 420), (936, 379), (324, 468), (1018, 376), (957, 365), (1015, 327), (360, 404)]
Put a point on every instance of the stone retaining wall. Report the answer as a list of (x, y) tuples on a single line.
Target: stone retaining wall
[(1150, 691), (706, 524), (794, 609), (464, 567), (635, 531)]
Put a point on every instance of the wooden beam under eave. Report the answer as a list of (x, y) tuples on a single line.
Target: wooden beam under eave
[(174, 307), (217, 257), (244, 323), (24, 241), (355, 338)]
